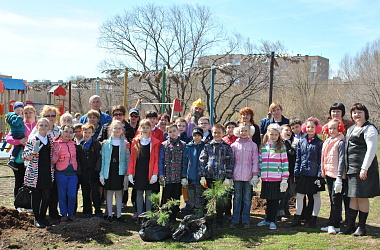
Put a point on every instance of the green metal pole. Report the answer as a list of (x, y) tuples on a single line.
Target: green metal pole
[(163, 89), (212, 96), (97, 86)]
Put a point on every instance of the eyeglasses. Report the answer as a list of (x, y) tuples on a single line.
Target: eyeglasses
[(135, 116), (118, 114), (49, 116), (206, 123)]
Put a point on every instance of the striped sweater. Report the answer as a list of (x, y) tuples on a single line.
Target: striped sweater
[(273, 166)]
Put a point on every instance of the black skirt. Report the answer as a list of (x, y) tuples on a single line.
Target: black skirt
[(307, 186), (271, 190), (291, 191), (114, 181), (367, 188)]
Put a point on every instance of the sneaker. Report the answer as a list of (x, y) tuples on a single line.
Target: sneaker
[(324, 229), (19, 209), (246, 225), (263, 223), (64, 219), (46, 222), (135, 216), (71, 218), (12, 165), (233, 225), (88, 216), (109, 218), (272, 226), (39, 224), (331, 230)]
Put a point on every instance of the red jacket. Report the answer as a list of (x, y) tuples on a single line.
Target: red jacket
[(153, 161), (158, 134), (229, 139)]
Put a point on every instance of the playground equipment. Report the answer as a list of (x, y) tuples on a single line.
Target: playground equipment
[(57, 91), (175, 105), (6, 104)]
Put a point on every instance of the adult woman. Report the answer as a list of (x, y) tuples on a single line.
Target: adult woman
[(246, 115), (276, 110), (362, 168), (163, 121), (30, 123), (337, 111), (51, 113)]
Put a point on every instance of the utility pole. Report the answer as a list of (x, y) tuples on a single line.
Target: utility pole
[(163, 89), (212, 95), (271, 77)]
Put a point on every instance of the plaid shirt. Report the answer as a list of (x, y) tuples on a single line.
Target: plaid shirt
[(216, 161)]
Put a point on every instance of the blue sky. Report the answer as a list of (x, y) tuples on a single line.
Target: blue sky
[(54, 40)]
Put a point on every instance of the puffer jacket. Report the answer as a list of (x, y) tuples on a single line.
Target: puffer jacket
[(64, 154), (16, 123), (124, 156), (190, 163), (246, 158), (308, 161)]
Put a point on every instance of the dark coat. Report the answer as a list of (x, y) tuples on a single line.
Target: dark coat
[(308, 160)]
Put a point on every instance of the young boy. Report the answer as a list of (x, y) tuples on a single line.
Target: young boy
[(15, 121), (170, 166), (190, 174), (230, 137), (157, 133), (204, 123), (78, 134), (216, 162), (182, 129), (295, 125), (89, 164)]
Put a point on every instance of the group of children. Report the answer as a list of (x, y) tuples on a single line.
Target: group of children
[(291, 160)]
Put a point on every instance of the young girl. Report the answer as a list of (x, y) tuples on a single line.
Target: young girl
[(333, 170), (246, 158), (65, 158), (39, 172), (274, 173), (113, 174), (307, 171), (143, 166)]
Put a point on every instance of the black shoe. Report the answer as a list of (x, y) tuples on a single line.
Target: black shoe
[(46, 222), (361, 230), (109, 218), (219, 227), (121, 219), (312, 222), (12, 165), (39, 224), (296, 221), (351, 217)]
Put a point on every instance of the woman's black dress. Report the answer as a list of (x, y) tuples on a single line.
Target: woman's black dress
[(114, 181)]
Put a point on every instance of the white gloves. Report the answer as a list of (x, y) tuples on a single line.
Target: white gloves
[(125, 183), (228, 182), (184, 182), (130, 178), (254, 181), (153, 179), (101, 179), (338, 186), (283, 185), (203, 181), (318, 183), (37, 147)]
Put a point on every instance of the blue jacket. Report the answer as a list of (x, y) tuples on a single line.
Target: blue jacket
[(270, 121), (104, 118), (106, 158), (308, 160), (190, 163), (16, 123)]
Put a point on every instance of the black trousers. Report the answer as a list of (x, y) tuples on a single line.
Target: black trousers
[(19, 178), (172, 191), (53, 201), (40, 202), (271, 211), (335, 202), (91, 195)]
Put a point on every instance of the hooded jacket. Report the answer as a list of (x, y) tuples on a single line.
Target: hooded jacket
[(246, 158), (190, 163)]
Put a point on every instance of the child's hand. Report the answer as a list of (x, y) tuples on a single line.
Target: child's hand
[(130, 178), (338, 186), (153, 179), (37, 147), (203, 182), (283, 185), (184, 182), (102, 180), (254, 181)]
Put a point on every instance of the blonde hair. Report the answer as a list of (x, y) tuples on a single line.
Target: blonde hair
[(29, 107), (48, 108), (66, 115), (42, 120), (242, 125), (273, 105), (112, 125), (278, 145)]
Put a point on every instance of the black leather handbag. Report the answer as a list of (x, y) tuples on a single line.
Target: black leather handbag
[(24, 198)]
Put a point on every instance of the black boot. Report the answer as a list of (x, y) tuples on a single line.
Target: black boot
[(351, 217), (361, 230), (312, 222), (297, 221)]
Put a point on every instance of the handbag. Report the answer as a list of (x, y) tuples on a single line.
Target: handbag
[(24, 198), (19, 158)]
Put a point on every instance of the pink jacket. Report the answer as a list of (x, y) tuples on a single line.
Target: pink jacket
[(28, 129), (246, 158), (330, 157), (63, 152)]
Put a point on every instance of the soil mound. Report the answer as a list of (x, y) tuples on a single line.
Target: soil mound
[(11, 218)]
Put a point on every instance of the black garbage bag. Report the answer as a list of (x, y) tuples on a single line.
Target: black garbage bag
[(193, 229), (151, 231)]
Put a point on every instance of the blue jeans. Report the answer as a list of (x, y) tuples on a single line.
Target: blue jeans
[(242, 190), (67, 193)]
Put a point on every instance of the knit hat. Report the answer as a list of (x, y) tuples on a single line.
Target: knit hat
[(275, 126), (199, 103), (18, 105), (197, 130)]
